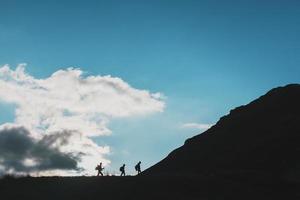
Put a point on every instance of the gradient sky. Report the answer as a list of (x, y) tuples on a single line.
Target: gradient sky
[(206, 57)]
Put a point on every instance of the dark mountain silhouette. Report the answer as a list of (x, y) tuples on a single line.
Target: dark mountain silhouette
[(262, 137)]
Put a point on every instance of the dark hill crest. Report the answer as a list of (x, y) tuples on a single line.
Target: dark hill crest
[(262, 136)]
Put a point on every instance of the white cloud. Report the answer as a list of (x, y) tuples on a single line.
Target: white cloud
[(196, 126), (68, 100)]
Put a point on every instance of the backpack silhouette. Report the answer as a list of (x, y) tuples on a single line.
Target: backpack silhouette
[(99, 168), (122, 170), (138, 167)]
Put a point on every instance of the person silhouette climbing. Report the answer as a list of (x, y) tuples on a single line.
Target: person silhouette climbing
[(122, 170), (99, 168), (138, 167)]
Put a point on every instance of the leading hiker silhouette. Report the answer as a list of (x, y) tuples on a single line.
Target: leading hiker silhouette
[(122, 170), (99, 168), (138, 167)]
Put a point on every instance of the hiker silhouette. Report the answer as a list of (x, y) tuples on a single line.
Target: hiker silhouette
[(99, 168), (122, 170), (138, 167)]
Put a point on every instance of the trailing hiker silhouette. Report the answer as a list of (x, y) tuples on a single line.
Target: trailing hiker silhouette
[(99, 168), (138, 167), (122, 170)]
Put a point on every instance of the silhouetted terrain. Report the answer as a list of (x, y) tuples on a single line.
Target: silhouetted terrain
[(213, 187), (252, 153), (262, 137)]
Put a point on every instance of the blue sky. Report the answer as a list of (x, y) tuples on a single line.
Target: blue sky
[(206, 57)]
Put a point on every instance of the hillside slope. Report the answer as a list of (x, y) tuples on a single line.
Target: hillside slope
[(261, 137)]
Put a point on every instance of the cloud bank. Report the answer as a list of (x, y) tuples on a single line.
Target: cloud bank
[(22, 153), (63, 112)]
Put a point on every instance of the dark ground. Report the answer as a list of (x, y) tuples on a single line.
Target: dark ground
[(225, 186)]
